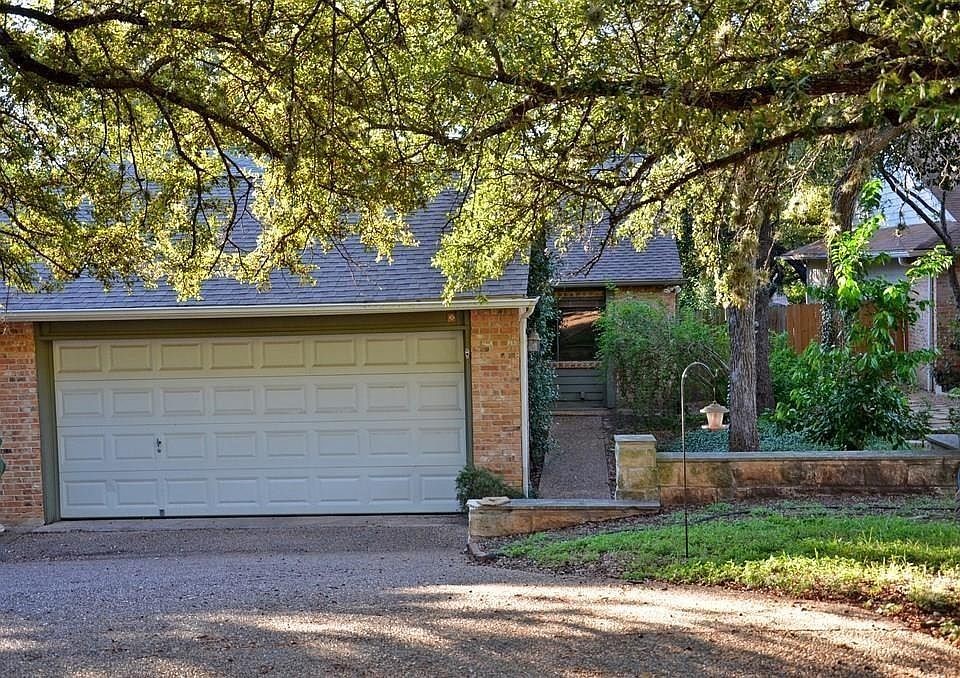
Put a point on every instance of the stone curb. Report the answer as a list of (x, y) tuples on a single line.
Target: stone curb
[(478, 554)]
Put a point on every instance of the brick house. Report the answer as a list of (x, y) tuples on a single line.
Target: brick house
[(363, 393)]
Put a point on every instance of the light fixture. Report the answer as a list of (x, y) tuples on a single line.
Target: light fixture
[(533, 342), (714, 412)]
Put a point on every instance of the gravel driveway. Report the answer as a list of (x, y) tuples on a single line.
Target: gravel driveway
[(364, 599)]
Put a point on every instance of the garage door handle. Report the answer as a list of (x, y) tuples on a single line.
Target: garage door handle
[(159, 446)]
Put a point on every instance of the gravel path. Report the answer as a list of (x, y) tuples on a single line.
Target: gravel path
[(576, 467), (372, 605)]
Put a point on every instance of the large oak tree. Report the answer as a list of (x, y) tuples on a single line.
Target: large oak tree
[(131, 133)]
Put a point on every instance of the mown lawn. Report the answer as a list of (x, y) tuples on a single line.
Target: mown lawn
[(891, 562)]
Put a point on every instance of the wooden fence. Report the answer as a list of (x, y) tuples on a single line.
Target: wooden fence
[(803, 327)]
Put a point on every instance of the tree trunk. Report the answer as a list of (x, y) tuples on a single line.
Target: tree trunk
[(765, 290), (743, 377), (765, 399)]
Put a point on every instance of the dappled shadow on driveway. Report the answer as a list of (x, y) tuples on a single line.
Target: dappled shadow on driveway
[(416, 613)]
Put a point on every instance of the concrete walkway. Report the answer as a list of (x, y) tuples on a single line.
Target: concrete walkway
[(315, 600), (937, 405), (576, 467)]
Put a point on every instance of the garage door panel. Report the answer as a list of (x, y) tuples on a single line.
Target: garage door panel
[(344, 489), (439, 351), (381, 352), (129, 357), (78, 358), (231, 355), (237, 493), (233, 400), (388, 397), (135, 448), (279, 353), (272, 425), (82, 449), (81, 403), (82, 497), (128, 402), (182, 401), (334, 352), (436, 490), (440, 397), (137, 495), (180, 356), (187, 495), (289, 492), (337, 398), (235, 447), (285, 399)]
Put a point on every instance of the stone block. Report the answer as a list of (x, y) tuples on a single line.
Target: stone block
[(830, 474), (696, 496), (886, 474), (668, 472), (636, 458), (758, 472), (709, 473), (930, 474)]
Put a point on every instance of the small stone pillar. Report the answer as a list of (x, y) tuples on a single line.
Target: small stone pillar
[(637, 467)]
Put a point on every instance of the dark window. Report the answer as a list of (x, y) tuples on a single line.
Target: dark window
[(577, 332)]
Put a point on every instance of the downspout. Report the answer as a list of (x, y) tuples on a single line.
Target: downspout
[(525, 313), (933, 341)]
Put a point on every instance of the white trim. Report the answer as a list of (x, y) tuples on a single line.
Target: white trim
[(256, 310), (525, 313)]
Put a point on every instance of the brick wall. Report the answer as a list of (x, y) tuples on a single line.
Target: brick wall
[(495, 376), (21, 493), (946, 313), (945, 316), (918, 334)]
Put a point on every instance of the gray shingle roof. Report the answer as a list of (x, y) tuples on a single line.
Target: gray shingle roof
[(905, 241), (353, 279), (358, 278), (620, 263)]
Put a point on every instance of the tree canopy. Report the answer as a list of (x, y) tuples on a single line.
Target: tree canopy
[(131, 133)]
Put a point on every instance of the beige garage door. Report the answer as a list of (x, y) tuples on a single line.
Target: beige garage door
[(259, 426)]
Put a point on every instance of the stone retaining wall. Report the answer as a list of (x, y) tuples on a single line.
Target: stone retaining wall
[(523, 516), (753, 475)]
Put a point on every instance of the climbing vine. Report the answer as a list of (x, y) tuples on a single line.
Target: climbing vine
[(542, 385)]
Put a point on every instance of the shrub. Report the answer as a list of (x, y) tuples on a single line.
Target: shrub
[(648, 348), (474, 482), (783, 364), (845, 399)]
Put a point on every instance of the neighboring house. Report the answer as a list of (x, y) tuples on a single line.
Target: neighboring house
[(588, 277), (903, 238), (361, 394)]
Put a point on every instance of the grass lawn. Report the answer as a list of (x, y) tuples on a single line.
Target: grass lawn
[(904, 563)]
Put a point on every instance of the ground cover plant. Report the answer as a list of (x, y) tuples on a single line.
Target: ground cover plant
[(772, 439), (903, 562)]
